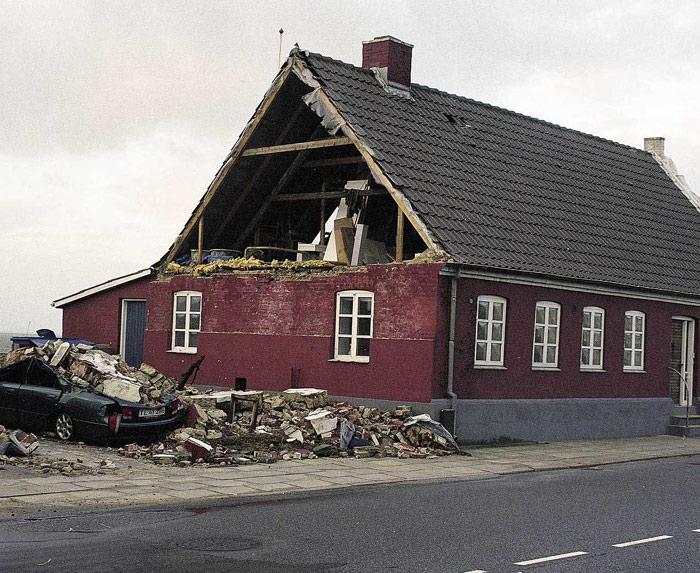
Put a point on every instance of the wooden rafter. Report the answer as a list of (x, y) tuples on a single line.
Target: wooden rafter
[(300, 146), (264, 165), (326, 195)]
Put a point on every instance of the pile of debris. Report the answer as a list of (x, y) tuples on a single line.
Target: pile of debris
[(246, 264), (235, 427), (16, 443), (105, 373)]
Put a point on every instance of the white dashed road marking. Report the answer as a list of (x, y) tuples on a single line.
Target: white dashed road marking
[(640, 541), (551, 558), (476, 571)]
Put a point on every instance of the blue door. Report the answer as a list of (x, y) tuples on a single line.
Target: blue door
[(134, 327)]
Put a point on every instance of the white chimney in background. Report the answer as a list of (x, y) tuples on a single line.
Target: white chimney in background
[(655, 145)]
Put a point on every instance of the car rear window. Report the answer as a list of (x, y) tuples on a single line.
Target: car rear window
[(41, 375), (14, 373)]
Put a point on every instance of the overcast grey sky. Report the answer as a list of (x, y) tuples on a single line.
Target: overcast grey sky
[(114, 116)]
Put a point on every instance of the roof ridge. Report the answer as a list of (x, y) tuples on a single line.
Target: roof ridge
[(486, 104)]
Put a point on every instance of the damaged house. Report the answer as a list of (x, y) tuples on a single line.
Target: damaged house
[(390, 242)]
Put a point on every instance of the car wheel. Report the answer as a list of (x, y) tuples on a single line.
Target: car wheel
[(64, 426)]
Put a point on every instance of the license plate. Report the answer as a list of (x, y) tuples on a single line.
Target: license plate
[(152, 413)]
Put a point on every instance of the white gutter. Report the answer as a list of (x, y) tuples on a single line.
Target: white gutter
[(119, 281)]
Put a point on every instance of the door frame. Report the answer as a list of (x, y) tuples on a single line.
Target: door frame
[(687, 358), (122, 327)]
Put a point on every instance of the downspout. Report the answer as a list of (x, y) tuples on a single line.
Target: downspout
[(451, 347)]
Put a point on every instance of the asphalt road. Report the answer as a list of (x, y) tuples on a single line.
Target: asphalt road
[(501, 524)]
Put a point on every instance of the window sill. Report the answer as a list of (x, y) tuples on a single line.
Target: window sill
[(182, 351), (546, 369), (593, 370), (350, 360), (633, 371), (489, 367)]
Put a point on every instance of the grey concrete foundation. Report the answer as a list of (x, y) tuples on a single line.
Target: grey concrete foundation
[(562, 419)]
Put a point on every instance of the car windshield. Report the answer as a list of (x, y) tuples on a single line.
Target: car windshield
[(42, 375)]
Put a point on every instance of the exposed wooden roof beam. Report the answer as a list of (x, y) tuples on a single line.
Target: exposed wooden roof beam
[(332, 161), (326, 195), (301, 146)]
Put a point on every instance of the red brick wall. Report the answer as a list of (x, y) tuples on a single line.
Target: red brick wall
[(260, 328), (98, 318), (520, 381)]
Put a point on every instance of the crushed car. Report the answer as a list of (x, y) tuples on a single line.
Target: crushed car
[(37, 396)]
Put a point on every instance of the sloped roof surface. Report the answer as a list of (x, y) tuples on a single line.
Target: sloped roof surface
[(503, 191)]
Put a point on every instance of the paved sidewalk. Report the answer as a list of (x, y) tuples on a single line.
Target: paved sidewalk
[(136, 482)]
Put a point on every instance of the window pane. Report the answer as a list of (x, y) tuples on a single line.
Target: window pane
[(539, 315), (585, 356), (195, 303), (363, 346), (179, 338), (597, 320), (537, 358), (498, 311), (539, 334), (628, 322), (193, 340), (628, 358), (638, 359), (497, 332), (586, 319), (194, 321), (365, 306), (638, 341), (364, 325), (638, 320), (481, 351), (551, 354), (482, 329), (181, 303), (596, 357), (343, 345), (345, 325), (586, 338), (180, 320), (345, 305), (552, 335), (483, 312), (496, 352), (554, 316), (628, 340), (597, 338)]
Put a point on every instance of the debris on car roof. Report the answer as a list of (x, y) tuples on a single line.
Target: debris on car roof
[(107, 374)]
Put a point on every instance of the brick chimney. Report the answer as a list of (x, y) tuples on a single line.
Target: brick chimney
[(654, 145), (391, 57)]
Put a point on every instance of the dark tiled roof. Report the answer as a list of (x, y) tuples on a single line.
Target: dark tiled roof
[(503, 191)]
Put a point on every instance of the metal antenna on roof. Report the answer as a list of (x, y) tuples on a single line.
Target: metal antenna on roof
[(279, 55)]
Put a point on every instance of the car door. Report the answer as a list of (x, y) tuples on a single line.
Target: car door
[(38, 397), (11, 378)]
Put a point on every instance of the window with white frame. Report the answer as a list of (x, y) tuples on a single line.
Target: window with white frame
[(490, 331), (634, 340), (545, 345), (187, 320), (353, 325), (592, 336)]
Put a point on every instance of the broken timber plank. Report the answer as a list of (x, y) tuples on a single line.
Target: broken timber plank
[(326, 195), (399, 234), (301, 146)]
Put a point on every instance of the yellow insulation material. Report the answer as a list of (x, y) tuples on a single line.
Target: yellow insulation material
[(245, 264)]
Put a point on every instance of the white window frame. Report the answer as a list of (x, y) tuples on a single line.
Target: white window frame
[(593, 310), (634, 314), (489, 340), (547, 327), (356, 295), (190, 294)]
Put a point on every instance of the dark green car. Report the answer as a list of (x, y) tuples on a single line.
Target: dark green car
[(35, 397)]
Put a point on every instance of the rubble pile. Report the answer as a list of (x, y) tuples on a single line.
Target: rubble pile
[(246, 264), (233, 428), (105, 373)]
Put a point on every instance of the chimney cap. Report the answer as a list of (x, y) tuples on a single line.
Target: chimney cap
[(388, 38), (655, 145)]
